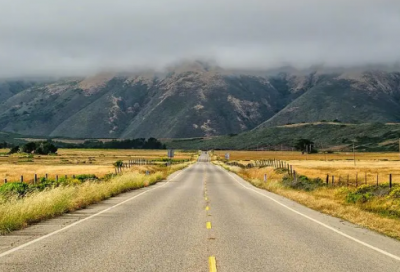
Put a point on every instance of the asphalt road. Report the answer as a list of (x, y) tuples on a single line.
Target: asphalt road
[(201, 212)]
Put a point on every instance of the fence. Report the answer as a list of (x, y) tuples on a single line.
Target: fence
[(330, 180), (36, 178)]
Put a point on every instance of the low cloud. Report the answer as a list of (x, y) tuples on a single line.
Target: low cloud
[(75, 37)]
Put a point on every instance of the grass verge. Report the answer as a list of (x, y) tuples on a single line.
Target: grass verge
[(17, 213), (363, 206)]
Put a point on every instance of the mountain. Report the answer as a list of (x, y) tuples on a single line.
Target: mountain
[(196, 99), (187, 100), (354, 97)]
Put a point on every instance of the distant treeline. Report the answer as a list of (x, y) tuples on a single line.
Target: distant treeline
[(140, 143), (6, 145)]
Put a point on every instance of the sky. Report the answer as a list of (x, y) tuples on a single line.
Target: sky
[(77, 37)]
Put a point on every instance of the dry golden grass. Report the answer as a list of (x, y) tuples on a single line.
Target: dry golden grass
[(369, 166), (289, 156), (365, 171), (13, 171), (74, 162)]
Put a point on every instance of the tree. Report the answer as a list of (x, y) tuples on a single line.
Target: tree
[(42, 148), (305, 145), (13, 150), (46, 148), (29, 147)]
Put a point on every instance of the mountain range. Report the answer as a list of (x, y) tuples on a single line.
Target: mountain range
[(196, 99)]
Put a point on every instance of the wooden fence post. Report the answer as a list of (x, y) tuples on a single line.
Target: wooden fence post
[(390, 181), (265, 177), (46, 176), (366, 178), (327, 179), (21, 179), (35, 179), (377, 179), (356, 180), (348, 179), (56, 178), (5, 181)]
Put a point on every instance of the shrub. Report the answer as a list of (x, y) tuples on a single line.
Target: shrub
[(395, 193), (303, 183), (118, 163), (364, 193), (13, 188), (354, 197), (85, 177)]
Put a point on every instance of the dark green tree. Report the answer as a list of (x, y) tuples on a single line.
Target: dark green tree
[(29, 147)]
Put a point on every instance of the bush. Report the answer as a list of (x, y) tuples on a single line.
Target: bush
[(364, 193), (13, 188), (86, 177), (354, 197), (118, 163), (303, 183), (395, 193)]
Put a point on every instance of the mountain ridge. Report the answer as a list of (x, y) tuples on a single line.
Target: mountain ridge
[(196, 99)]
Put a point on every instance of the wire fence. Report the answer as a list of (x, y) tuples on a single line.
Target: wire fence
[(349, 180)]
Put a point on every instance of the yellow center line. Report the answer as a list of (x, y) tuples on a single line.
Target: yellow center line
[(212, 264), (208, 225), (206, 198), (207, 208)]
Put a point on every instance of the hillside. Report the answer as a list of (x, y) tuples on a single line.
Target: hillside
[(195, 99), (187, 101), (358, 97), (326, 136)]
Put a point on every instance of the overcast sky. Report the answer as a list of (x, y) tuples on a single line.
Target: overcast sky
[(72, 37)]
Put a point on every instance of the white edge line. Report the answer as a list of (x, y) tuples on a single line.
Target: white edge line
[(316, 221), (85, 219)]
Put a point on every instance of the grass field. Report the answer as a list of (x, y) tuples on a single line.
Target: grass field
[(368, 167), (73, 162)]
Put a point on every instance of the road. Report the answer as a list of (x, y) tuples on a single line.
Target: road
[(200, 215)]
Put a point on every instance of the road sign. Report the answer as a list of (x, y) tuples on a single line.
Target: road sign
[(171, 153)]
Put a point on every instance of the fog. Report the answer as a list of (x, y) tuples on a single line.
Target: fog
[(78, 37)]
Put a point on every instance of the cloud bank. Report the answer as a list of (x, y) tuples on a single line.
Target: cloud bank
[(76, 37)]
